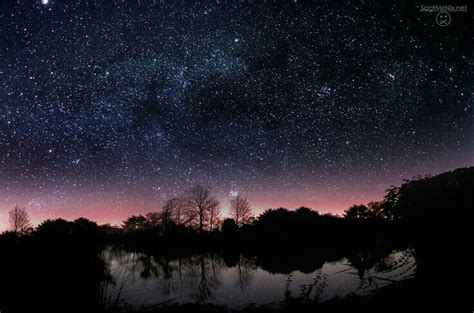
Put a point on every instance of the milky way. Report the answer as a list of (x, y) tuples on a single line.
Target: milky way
[(110, 107)]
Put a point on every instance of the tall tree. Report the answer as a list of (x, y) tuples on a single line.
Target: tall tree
[(202, 204), (179, 211), (441, 198), (214, 217), (167, 212), (19, 220), (240, 210)]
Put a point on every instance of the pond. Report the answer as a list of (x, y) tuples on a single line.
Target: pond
[(139, 279)]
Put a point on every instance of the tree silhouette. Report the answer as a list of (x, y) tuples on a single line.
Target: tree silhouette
[(19, 221), (431, 198), (359, 212), (214, 217), (178, 210), (54, 227), (135, 222), (376, 209), (85, 226), (229, 227), (166, 214), (240, 210), (153, 219), (202, 204), (245, 269)]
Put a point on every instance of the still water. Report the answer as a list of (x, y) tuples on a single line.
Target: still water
[(138, 279)]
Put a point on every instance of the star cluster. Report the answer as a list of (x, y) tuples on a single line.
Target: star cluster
[(110, 107)]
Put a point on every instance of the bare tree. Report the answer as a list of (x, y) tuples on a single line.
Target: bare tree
[(166, 214), (202, 203), (240, 210), (179, 211), (214, 217), (19, 220)]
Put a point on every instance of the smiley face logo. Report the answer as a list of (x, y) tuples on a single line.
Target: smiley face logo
[(443, 19)]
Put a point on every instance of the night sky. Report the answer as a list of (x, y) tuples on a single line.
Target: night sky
[(108, 108)]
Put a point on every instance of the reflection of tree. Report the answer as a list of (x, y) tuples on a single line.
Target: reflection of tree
[(377, 269), (209, 280), (130, 265), (149, 268), (287, 294), (199, 276), (204, 289), (173, 273), (288, 263), (167, 271), (198, 273), (245, 269), (123, 269)]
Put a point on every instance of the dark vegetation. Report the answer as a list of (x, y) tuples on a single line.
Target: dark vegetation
[(56, 266)]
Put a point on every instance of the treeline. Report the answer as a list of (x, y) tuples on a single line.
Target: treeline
[(420, 204), (429, 203), (61, 262), (196, 208)]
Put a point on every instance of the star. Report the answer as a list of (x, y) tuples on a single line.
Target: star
[(289, 104)]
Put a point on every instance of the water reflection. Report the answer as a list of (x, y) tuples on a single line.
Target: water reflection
[(236, 280)]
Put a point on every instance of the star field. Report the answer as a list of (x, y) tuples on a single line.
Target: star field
[(110, 107)]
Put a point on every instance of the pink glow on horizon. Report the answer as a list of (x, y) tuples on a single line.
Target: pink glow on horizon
[(114, 208), (113, 212)]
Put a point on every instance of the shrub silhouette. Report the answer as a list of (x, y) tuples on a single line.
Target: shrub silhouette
[(229, 227)]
